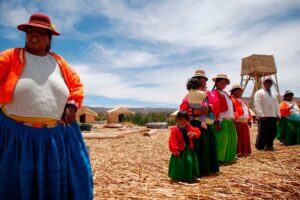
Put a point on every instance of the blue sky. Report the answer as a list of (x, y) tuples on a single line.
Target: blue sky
[(140, 53)]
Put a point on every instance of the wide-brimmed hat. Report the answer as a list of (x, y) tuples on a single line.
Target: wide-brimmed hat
[(221, 76), (39, 20), (288, 92), (236, 86), (200, 73)]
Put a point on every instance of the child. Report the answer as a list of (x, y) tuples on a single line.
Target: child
[(183, 164), (196, 97)]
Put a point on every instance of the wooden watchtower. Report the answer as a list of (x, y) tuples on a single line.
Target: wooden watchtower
[(255, 68)]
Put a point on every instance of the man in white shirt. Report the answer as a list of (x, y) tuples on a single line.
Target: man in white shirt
[(267, 112)]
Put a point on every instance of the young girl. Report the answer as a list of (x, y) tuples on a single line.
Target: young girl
[(183, 165)]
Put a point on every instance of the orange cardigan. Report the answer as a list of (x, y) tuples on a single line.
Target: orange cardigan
[(12, 62), (285, 108), (239, 111)]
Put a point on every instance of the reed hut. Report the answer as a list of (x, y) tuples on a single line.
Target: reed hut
[(86, 115), (254, 68), (116, 115), (173, 114)]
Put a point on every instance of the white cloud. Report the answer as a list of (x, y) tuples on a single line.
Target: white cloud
[(121, 57), (171, 39)]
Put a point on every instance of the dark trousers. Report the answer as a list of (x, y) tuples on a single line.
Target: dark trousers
[(267, 129)]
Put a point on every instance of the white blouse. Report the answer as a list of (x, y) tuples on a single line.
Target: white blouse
[(230, 112), (41, 90)]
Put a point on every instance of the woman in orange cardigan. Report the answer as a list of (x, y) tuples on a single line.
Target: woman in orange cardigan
[(242, 121), (183, 164), (42, 152), (288, 131)]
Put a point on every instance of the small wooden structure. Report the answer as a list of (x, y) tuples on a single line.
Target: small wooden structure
[(117, 114), (255, 68), (86, 115)]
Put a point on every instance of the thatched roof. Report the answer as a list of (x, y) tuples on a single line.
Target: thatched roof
[(258, 64), (120, 109), (86, 110), (174, 113)]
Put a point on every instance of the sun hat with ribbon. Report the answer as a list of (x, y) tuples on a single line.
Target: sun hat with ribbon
[(200, 73), (39, 20), (221, 76)]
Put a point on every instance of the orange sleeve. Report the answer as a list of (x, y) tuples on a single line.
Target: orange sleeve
[(284, 109), (173, 141), (5, 63), (194, 129)]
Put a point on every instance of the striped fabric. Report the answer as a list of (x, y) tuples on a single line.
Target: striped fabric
[(43, 163)]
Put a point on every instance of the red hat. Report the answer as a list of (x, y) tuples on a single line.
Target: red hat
[(40, 20)]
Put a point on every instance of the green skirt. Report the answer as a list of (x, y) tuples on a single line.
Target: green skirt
[(185, 167), (227, 141), (288, 130), (205, 148)]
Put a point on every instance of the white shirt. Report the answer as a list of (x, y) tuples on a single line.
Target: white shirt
[(245, 108), (295, 110), (41, 90), (230, 112), (266, 105)]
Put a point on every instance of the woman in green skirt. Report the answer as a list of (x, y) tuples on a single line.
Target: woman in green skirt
[(225, 118), (288, 131), (206, 145), (183, 164)]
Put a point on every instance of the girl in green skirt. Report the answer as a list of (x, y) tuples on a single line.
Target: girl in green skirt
[(183, 164)]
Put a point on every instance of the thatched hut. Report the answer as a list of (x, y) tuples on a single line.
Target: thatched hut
[(86, 115), (116, 115), (260, 65), (173, 114)]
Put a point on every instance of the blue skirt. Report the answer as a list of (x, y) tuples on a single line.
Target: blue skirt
[(43, 163)]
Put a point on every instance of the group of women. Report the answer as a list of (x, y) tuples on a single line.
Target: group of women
[(226, 134)]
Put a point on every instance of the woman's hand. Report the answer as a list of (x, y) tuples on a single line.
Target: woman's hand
[(69, 114)]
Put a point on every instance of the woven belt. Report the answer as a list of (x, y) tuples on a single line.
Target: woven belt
[(243, 120), (40, 125)]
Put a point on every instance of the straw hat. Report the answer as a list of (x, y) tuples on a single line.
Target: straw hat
[(39, 20), (200, 73), (222, 76), (236, 86)]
